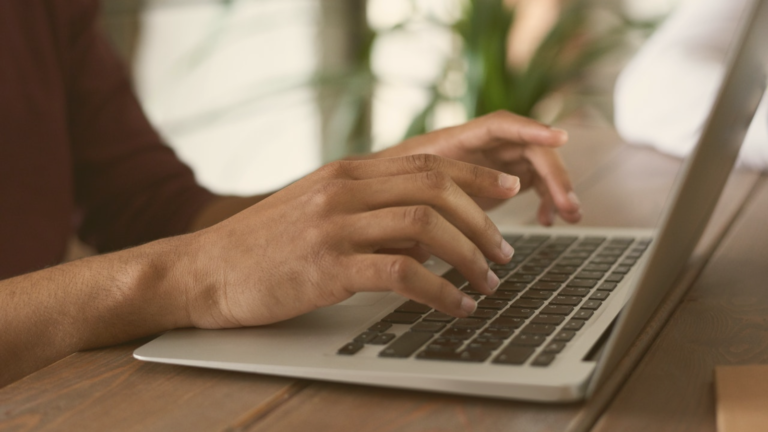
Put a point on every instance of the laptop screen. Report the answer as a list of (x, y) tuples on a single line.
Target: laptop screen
[(699, 184)]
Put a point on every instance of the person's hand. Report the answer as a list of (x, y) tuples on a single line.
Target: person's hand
[(350, 226), (508, 143)]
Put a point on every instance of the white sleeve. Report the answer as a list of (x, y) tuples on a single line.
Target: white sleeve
[(664, 95)]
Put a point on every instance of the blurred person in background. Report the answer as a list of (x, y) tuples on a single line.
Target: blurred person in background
[(664, 95), (78, 156)]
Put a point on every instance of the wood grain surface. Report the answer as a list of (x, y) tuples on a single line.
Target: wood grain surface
[(107, 390), (723, 320)]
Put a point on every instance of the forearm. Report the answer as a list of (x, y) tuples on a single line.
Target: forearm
[(97, 301)]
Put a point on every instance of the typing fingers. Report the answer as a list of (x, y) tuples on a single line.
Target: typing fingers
[(437, 189), (555, 181), (475, 180), (405, 227), (407, 277), (504, 127)]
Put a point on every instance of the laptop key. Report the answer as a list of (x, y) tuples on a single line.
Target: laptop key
[(446, 343), (614, 277), (455, 278), (458, 333), (401, 318), (497, 333), (365, 337), (412, 307), (577, 255), (531, 270), (593, 239), (428, 327), (471, 291), (603, 260), (565, 300), (591, 304), (621, 269), (589, 275), (514, 355), (508, 266), (439, 316), (511, 286), (597, 267), (564, 269), (543, 359), (564, 335), (507, 322), (564, 239), (468, 323), (607, 286), (574, 324), (600, 295), (629, 262), (484, 344), (538, 329), (540, 262), (517, 312), (501, 273), (442, 348), (502, 295), (464, 356), (520, 278), (612, 251), (382, 339), (527, 304), (554, 277), (578, 292), (557, 310), (548, 319), (484, 314), (546, 286), (582, 283), (380, 327), (583, 314), (492, 304), (350, 348), (533, 340), (406, 345), (536, 294), (554, 347)]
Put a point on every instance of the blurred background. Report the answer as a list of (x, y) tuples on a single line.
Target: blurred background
[(254, 94)]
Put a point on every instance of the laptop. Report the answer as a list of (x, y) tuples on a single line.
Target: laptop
[(571, 301)]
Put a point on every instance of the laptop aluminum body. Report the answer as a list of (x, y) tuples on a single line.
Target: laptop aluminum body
[(306, 346)]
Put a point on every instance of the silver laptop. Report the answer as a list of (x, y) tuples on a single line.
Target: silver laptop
[(570, 304)]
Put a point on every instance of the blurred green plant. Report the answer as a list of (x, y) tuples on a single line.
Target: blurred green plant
[(488, 83), (570, 49)]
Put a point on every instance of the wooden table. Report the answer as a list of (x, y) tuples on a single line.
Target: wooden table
[(721, 319)]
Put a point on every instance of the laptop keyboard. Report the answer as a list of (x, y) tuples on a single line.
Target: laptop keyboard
[(549, 291)]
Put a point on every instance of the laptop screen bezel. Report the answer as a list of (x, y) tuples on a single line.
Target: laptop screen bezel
[(698, 186)]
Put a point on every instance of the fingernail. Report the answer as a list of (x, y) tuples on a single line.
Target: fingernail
[(574, 199), (506, 249), (509, 182), (468, 305), (563, 133), (493, 280)]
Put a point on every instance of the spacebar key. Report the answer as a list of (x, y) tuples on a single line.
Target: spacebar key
[(406, 345)]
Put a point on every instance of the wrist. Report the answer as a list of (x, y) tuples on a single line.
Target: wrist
[(162, 280)]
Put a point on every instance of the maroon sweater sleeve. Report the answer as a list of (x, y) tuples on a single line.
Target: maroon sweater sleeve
[(130, 187)]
